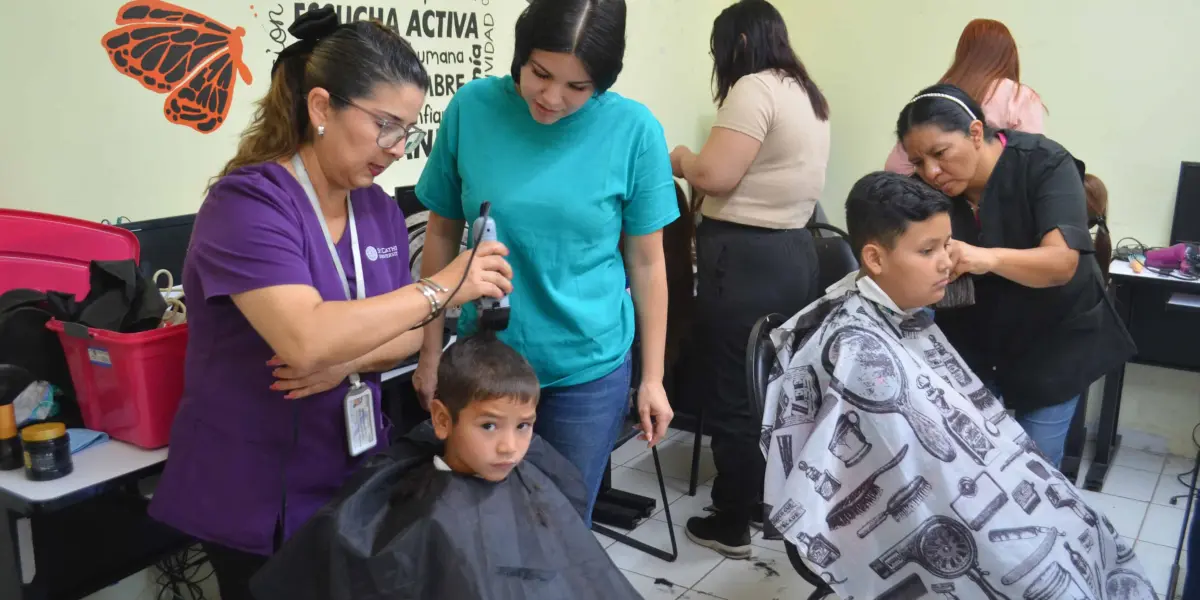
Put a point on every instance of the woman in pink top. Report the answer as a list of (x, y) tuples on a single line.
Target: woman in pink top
[(987, 68)]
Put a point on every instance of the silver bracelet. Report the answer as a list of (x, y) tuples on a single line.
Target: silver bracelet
[(426, 290), (433, 284)]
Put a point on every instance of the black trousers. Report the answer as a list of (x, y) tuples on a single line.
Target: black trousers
[(744, 274), (233, 569)]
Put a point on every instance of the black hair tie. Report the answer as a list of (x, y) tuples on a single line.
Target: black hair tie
[(310, 28)]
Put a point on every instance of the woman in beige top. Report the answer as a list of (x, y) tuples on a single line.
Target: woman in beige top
[(986, 66), (762, 171)]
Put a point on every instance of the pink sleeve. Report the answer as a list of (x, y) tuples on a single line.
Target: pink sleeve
[(1030, 112), (897, 161), (1014, 106)]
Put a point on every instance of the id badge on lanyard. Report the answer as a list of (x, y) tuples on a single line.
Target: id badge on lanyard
[(359, 403)]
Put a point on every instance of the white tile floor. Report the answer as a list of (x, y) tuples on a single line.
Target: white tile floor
[(1136, 498)]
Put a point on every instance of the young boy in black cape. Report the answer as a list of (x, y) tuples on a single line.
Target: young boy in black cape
[(471, 505)]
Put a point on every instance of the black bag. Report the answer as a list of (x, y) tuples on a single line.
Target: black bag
[(400, 529), (120, 299), (24, 339)]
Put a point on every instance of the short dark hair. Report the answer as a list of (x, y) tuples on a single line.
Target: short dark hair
[(947, 114), (766, 47), (591, 30), (480, 368), (882, 204)]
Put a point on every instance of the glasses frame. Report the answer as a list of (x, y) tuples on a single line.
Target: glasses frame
[(412, 136)]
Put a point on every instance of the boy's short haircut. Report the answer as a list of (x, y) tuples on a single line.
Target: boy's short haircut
[(882, 204), (482, 367)]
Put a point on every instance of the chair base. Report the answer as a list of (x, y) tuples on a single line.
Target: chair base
[(641, 505), (625, 510), (616, 515), (823, 590)]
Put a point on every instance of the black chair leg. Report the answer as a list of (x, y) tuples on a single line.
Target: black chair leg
[(823, 590), (638, 545), (696, 444), (1076, 439)]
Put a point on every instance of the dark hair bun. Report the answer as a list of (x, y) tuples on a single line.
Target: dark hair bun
[(315, 24), (309, 28)]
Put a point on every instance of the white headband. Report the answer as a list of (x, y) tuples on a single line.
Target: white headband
[(947, 97)]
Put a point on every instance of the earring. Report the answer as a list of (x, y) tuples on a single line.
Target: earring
[(321, 130)]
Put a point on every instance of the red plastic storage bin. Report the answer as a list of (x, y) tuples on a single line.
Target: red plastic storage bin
[(53, 253), (128, 385)]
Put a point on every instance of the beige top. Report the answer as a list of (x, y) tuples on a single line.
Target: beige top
[(783, 184)]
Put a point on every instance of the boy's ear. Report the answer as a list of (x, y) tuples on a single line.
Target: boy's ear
[(873, 258), (442, 422)]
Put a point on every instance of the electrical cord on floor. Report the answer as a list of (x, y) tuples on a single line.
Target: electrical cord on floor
[(1184, 478), (181, 574)]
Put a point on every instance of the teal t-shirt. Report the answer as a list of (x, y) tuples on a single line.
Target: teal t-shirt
[(561, 196)]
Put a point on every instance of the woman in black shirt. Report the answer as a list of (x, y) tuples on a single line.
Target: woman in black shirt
[(1041, 329)]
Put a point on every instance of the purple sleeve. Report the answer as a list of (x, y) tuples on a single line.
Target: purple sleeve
[(247, 237)]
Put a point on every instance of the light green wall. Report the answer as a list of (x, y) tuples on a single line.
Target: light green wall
[(1121, 80)]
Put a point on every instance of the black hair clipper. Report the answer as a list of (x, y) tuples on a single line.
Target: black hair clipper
[(493, 312)]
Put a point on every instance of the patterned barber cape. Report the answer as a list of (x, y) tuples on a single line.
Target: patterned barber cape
[(898, 475)]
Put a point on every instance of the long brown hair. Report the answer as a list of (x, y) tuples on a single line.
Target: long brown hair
[(348, 62), (749, 37), (1097, 211), (986, 53)]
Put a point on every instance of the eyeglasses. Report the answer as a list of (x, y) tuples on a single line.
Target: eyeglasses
[(391, 132)]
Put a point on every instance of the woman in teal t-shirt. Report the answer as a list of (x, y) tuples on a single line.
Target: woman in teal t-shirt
[(568, 167)]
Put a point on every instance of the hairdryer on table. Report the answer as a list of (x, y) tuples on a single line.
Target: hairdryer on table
[(493, 312), (1185, 257)]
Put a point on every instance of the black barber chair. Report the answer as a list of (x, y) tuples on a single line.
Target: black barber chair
[(760, 356), (835, 259)]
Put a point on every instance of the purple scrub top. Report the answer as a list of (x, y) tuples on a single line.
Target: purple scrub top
[(232, 441)]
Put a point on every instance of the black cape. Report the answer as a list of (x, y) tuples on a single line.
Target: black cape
[(401, 529)]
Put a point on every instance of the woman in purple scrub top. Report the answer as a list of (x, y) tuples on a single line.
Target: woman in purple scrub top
[(300, 295)]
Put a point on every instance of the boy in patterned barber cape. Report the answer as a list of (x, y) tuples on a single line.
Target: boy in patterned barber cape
[(890, 466)]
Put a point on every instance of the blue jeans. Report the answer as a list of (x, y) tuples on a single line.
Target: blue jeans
[(582, 421), (1047, 426)]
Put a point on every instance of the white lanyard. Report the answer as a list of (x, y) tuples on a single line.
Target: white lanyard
[(360, 286)]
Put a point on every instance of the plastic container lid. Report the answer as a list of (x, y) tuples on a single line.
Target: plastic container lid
[(53, 253), (64, 237), (43, 432)]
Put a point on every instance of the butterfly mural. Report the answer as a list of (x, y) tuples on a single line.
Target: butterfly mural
[(172, 50)]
